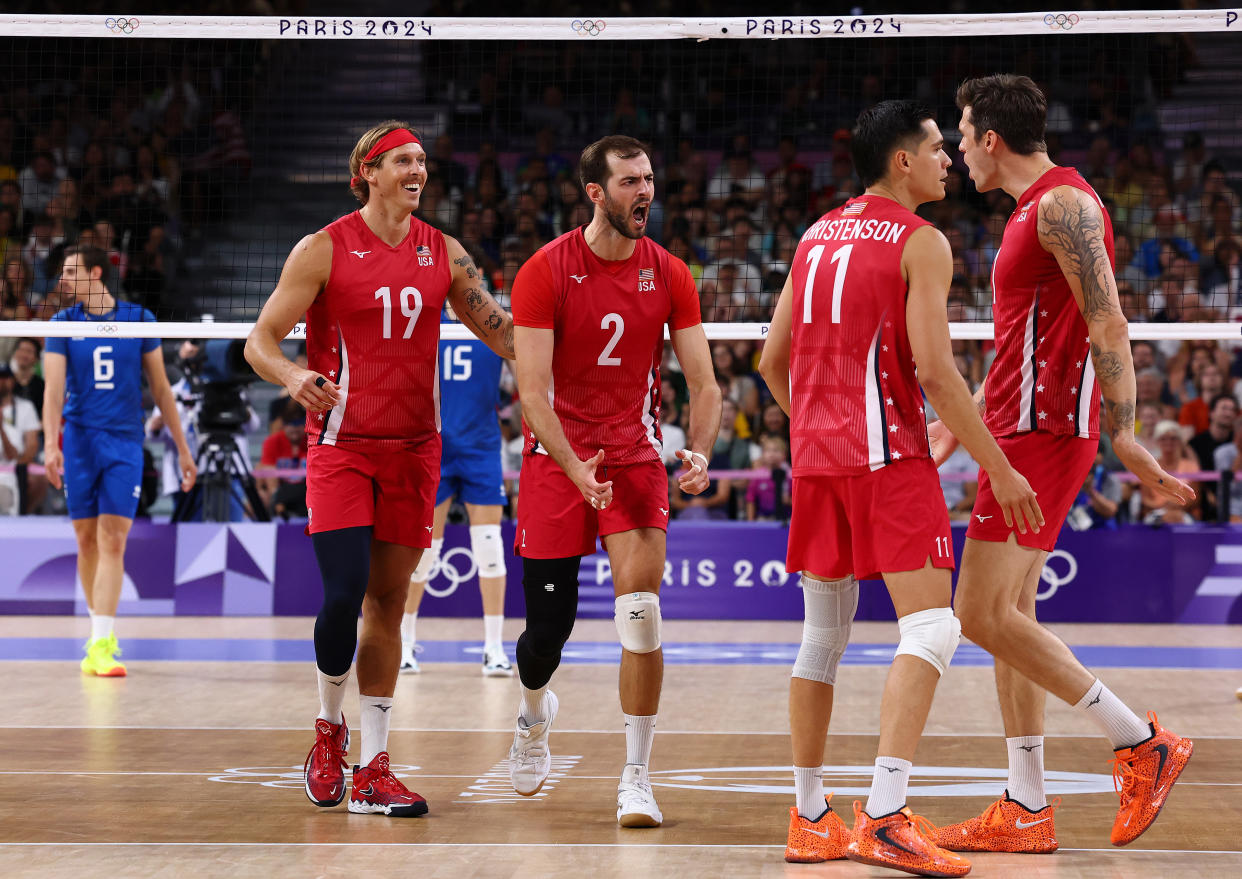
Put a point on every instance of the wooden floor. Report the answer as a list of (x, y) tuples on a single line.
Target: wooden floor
[(194, 768)]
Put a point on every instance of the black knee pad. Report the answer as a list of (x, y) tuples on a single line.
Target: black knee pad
[(344, 558), (551, 588)]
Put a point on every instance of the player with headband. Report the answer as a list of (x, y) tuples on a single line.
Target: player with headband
[(372, 286)]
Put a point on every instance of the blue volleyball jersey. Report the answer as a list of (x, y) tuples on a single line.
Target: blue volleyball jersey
[(469, 394), (103, 376)]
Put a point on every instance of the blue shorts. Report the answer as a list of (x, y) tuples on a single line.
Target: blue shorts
[(471, 475), (103, 473)]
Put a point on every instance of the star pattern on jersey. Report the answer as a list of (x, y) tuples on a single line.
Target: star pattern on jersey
[(888, 323), (884, 375), (1043, 364), (1073, 390), (1043, 414), (896, 456), (1041, 339), (1043, 314), (1079, 364), (331, 373), (333, 350), (1039, 388), (888, 401), (892, 428), (883, 347)]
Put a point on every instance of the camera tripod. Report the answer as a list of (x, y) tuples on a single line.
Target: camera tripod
[(219, 464)]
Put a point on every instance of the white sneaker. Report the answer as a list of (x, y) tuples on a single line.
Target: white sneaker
[(530, 761), (409, 663), (496, 664), (636, 805)]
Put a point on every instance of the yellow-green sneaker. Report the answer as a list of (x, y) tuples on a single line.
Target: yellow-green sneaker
[(101, 656)]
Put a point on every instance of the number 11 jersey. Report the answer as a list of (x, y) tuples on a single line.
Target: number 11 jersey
[(374, 330), (856, 405)]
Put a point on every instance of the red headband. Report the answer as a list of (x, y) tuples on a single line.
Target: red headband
[(393, 139)]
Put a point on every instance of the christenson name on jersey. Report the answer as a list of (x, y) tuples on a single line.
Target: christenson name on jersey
[(856, 404), (1042, 377), (608, 317), (374, 330)]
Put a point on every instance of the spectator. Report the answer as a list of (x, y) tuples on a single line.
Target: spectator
[(1148, 415), (1223, 413), (38, 182), (671, 429), (285, 450), (25, 367), (1175, 458), (19, 441), (1099, 501), (1209, 384), (1223, 280), (1228, 458), (763, 493), (737, 177), (731, 450), (959, 493), (1155, 253)]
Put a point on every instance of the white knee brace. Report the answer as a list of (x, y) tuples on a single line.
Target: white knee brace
[(427, 565), (638, 621), (488, 549), (931, 635), (829, 608)]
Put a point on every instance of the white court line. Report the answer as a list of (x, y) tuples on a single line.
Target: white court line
[(477, 845), (508, 730)]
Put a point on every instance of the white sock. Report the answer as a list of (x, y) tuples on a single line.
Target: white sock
[(493, 626), (408, 638), (888, 786), (532, 705), (101, 626), (1122, 726), (375, 712), (331, 696), (809, 787), (1026, 771), (639, 731)]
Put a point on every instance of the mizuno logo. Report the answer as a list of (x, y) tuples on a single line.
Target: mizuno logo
[(336, 683), (892, 768), (637, 615), (360, 253), (1022, 825), (1095, 700), (1028, 748), (662, 510), (578, 278), (982, 518), (428, 527), (384, 708)]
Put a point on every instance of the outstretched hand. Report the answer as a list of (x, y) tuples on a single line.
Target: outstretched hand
[(1140, 462), (693, 478), (598, 494), (943, 442)]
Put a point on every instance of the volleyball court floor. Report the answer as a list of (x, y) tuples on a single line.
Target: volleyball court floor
[(192, 765)]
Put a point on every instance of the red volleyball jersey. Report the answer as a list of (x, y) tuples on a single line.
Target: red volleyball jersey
[(1042, 377), (856, 403), (608, 317), (374, 330)]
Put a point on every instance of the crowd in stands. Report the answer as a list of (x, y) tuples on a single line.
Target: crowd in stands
[(733, 198)]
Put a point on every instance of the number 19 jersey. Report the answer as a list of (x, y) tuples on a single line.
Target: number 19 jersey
[(373, 330), (856, 405)]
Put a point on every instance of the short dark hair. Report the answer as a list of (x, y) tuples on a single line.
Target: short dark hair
[(593, 164), (38, 346), (92, 257), (1219, 398), (880, 131), (1012, 106)]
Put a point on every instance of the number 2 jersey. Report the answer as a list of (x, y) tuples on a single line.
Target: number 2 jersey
[(856, 405), (374, 330), (608, 317)]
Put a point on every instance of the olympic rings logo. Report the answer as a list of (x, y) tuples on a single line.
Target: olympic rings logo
[(1061, 21), (587, 27), (449, 569), (1054, 580), (106, 329), (122, 25)]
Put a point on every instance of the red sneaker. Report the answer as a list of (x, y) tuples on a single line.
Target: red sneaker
[(377, 790), (1143, 776), (324, 768)]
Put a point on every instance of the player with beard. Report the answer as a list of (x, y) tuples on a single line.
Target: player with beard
[(589, 314), (372, 286), (1061, 342)]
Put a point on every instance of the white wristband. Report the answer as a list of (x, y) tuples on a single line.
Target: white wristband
[(700, 456)]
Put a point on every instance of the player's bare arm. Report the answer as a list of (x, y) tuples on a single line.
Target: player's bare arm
[(774, 357), (694, 355), (533, 366), (305, 273), (161, 392), (53, 409), (1071, 228), (474, 305), (927, 263)]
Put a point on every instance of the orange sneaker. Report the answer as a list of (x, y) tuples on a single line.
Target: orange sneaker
[(1143, 776), (813, 842), (1005, 826), (902, 841)]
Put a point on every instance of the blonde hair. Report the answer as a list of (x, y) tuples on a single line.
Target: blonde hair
[(362, 189)]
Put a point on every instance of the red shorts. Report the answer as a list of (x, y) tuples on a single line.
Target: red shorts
[(556, 522), (890, 520), (392, 491), (1056, 466)]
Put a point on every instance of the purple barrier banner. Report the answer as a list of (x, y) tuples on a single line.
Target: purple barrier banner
[(718, 570)]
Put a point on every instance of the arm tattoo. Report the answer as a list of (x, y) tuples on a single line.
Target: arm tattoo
[(468, 264), (982, 405), (494, 321), (474, 298), (1120, 417), (1074, 232), (1108, 367)]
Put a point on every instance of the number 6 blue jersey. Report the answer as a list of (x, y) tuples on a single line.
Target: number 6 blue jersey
[(469, 395), (103, 376)]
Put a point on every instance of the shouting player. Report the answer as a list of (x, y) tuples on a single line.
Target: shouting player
[(590, 310), (1061, 341), (372, 285), (863, 306), (102, 457)]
